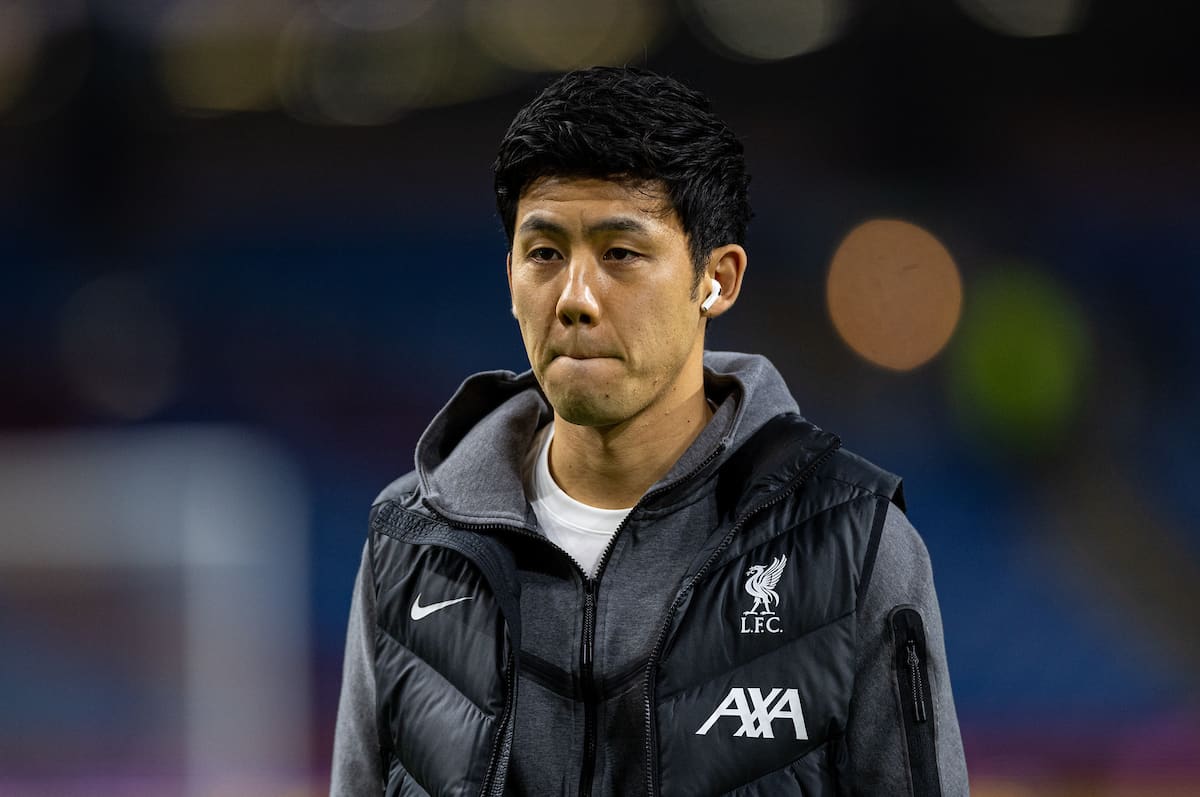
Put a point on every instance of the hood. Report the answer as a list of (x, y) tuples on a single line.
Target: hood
[(469, 461)]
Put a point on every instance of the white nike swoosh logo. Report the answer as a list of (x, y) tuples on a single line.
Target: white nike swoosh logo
[(418, 611)]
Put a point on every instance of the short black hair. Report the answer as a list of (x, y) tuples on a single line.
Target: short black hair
[(626, 123)]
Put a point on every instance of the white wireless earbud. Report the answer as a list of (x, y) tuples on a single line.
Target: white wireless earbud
[(712, 297)]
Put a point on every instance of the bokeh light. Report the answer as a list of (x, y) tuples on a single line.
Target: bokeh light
[(558, 35), (119, 347), (894, 293), (770, 30), (1021, 359), (217, 55), (373, 14), (45, 55), (1028, 18), (327, 73), (20, 40)]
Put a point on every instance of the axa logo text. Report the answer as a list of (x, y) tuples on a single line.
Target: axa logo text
[(758, 712)]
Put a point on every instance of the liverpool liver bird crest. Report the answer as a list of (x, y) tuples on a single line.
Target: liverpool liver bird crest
[(761, 585)]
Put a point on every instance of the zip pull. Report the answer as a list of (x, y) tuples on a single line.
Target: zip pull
[(589, 612), (918, 687)]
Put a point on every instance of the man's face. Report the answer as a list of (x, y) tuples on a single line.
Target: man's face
[(602, 286)]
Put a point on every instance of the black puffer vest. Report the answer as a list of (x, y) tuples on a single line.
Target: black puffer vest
[(747, 689)]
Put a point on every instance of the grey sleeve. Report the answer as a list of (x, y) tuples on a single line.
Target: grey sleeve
[(356, 762), (879, 761)]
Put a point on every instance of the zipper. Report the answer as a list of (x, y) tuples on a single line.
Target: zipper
[(589, 690), (656, 652), (493, 782), (914, 689), (591, 587), (918, 690), (587, 643)]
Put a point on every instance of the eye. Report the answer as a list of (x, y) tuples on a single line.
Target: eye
[(543, 254), (620, 254)]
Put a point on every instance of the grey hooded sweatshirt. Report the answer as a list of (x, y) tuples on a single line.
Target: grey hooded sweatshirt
[(469, 468)]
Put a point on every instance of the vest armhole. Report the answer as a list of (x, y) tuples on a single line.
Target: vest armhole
[(898, 496), (881, 510)]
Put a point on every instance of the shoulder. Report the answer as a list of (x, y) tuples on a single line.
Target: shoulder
[(795, 442), (789, 447), (851, 469), (401, 492), (903, 573), (399, 489)]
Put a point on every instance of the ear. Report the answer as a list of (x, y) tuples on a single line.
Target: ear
[(508, 271), (727, 265)]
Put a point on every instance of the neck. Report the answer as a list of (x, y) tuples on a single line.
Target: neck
[(611, 467)]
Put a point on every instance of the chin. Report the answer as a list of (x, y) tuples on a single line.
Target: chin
[(586, 409)]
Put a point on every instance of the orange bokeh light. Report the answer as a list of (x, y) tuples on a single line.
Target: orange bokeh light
[(894, 293)]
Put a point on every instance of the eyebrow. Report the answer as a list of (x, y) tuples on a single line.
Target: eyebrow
[(612, 224)]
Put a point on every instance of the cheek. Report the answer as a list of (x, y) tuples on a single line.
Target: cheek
[(663, 333)]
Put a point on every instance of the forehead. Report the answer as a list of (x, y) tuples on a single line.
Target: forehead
[(587, 199)]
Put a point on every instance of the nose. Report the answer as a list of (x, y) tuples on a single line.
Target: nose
[(577, 303)]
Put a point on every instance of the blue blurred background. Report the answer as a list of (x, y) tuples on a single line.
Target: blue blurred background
[(249, 249)]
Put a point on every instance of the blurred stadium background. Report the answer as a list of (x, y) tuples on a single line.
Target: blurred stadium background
[(250, 248)]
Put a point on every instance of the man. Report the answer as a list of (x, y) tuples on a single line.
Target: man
[(636, 569)]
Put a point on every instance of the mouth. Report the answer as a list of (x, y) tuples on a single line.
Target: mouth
[(581, 355)]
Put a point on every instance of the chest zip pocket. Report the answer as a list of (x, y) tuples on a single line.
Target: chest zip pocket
[(916, 700)]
